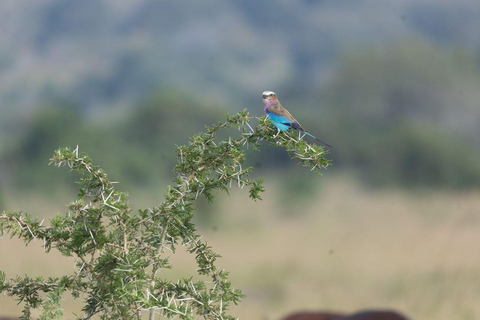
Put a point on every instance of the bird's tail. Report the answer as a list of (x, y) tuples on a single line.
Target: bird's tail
[(325, 144)]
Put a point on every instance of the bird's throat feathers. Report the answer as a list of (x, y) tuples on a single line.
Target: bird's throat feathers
[(267, 104)]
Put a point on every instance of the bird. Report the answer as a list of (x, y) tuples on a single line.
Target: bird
[(280, 117)]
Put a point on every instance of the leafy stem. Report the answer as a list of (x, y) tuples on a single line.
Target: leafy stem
[(120, 252)]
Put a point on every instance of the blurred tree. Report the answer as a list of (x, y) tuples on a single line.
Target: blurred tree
[(132, 146), (408, 114), (156, 126), (54, 125), (168, 116)]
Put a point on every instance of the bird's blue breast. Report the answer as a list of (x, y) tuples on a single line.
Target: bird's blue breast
[(282, 123)]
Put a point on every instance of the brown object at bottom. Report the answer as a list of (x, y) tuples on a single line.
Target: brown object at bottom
[(363, 315)]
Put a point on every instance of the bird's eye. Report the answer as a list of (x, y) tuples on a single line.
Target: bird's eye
[(268, 94)]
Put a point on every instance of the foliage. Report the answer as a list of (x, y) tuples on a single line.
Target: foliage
[(408, 115), (191, 45), (137, 141), (119, 253), (375, 96)]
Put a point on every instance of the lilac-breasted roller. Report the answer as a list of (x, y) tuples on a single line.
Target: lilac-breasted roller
[(280, 117)]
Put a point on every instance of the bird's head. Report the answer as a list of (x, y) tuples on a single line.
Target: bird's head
[(269, 98)]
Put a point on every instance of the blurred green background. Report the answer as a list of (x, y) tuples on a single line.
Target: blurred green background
[(394, 86)]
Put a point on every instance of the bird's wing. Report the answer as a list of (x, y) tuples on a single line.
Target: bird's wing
[(279, 114)]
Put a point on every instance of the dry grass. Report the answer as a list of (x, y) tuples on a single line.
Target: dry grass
[(345, 249)]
